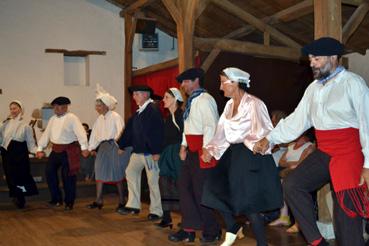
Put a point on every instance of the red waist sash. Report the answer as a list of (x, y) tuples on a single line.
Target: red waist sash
[(73, 153), (345, 167), (195, 143)]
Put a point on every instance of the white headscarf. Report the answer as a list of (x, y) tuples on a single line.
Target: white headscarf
[(237, 75), (105, 97), (177, 94)]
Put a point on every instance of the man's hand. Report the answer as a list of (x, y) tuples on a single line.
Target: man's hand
[(206, 157), (261, 146), (182, 153), (156, 157), (40, 154), (85, 153), (365, 177), (120, 152), (93, 153)]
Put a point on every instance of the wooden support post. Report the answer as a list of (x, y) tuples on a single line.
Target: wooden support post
[(328, 19), (353, 23), (129, 31), (185, 13)]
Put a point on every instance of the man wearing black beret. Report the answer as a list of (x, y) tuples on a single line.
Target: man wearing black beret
[(200, 121), (336, 104), (68, 137), (145, 133)]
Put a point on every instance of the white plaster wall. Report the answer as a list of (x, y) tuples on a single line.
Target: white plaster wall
[(360, 64), (167, 51), (34, 77), (27, 73)]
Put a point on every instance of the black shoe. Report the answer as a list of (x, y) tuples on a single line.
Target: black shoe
[(19, 202), (211, 239), (182, 235), (55, 204), (68, 207), (95, 205), (127, 210), (164, 224), (120, 206), (153, 217)]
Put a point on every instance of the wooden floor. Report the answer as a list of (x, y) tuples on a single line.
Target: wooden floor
[(40, 225)]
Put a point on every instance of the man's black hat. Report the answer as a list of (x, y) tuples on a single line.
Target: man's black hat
[(146, 88), (325, 46), (61, 101), (191, 74)]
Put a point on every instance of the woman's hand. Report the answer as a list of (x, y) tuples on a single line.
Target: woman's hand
[(183, 153), (206, 157)]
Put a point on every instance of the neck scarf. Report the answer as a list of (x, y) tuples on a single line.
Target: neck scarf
[(194, 94)]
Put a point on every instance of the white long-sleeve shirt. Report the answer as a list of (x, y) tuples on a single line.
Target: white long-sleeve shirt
[(249, 125), (16, 129), (342, 102), (203, 118), (106, 127), (63, 129)]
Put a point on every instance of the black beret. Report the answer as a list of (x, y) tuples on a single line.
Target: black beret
[(146, 88), (61, 101), (191, 74), (325, 46)]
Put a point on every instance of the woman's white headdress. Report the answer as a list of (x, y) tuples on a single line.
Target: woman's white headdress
[(105, 97), (237, 75)]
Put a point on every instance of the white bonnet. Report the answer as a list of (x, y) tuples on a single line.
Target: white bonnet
[(237, 75)]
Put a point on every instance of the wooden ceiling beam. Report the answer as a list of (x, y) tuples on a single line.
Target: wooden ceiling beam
[(257, 23), (355, 20), (285, 53), (135, 6), (352, 2), (289, 14)]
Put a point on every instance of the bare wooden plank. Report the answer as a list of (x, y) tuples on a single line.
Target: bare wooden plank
[(355, 20), (75, 52), (259, 24), (156, 67), (285, 53), (294, 12), (327, 19), (352, 2), (266, 38), (135, 6)]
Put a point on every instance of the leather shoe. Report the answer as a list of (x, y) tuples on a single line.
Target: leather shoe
[(68, 207), (164, 224), (95, 205), (182, 235), (55, 204), (211, 239), (127, 210), (120, 206), (153, 217)]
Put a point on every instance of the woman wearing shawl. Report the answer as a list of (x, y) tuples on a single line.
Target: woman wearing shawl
[(16, 139), (169, 162)]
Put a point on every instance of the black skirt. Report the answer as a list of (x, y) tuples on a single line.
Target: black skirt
[(17, 170), (243, 183)]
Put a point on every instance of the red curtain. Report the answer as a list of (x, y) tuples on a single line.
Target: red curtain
[(160, 81)]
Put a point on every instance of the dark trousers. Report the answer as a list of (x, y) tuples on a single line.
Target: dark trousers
[(191, 182), (309, 176), (57, 160)]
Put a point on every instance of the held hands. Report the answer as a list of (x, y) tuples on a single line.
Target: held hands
[(40, 154), (206, 157), (155, 157), (93, 153), (261, 146), (364, 177), (182, 153), (85, 153)]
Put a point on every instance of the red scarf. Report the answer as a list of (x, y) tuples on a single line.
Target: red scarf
[(345, 167), (73, 153), (194, 143)]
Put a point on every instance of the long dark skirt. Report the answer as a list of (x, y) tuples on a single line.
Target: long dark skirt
[(243, 183), (17, 170), (170, 165)]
